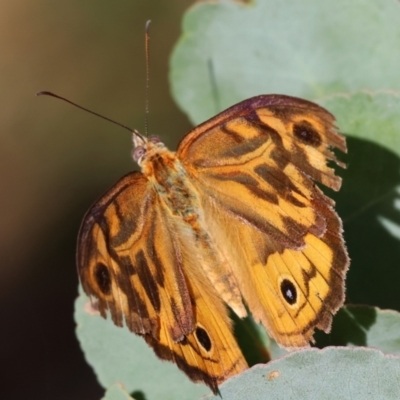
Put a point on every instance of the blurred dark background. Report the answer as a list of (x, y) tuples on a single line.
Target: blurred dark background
[(56, 160)]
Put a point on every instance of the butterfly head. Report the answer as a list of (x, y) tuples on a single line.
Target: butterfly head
[(143, 147)]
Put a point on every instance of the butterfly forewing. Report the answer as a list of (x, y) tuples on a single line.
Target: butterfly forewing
[(132, 260), (126, 260), (254, 167)]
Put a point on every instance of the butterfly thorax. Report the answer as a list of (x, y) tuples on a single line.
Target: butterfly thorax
[(169, 179)]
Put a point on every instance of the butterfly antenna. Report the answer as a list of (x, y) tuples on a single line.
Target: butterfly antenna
[(147, 40), (134, 131), (214, 87)]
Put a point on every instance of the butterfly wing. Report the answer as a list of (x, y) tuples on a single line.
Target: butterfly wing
[(255, 165), (131, 263)]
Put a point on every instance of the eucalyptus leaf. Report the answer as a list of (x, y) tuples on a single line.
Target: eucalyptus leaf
[(356, 325), (368, 201), (119, 356), (229, 51), (332, 373)]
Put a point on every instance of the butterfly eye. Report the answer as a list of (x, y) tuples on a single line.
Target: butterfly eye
[(138, 153)]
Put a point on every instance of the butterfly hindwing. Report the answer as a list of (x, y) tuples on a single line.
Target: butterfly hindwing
[(291, 291)]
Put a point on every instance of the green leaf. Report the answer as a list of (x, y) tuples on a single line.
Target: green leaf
[(306, 48), (332, 373), (369, 201), (119, 356), (365, 326), (373, 116)]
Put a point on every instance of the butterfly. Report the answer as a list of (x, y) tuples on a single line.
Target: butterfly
[(232, 220)]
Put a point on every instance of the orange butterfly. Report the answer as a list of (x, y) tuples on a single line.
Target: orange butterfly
[(233, 218)]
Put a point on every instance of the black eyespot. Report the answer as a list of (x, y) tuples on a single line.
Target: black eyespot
[(305, 132), (289, 291), (203, 338), (138, 153), (103, 278)]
